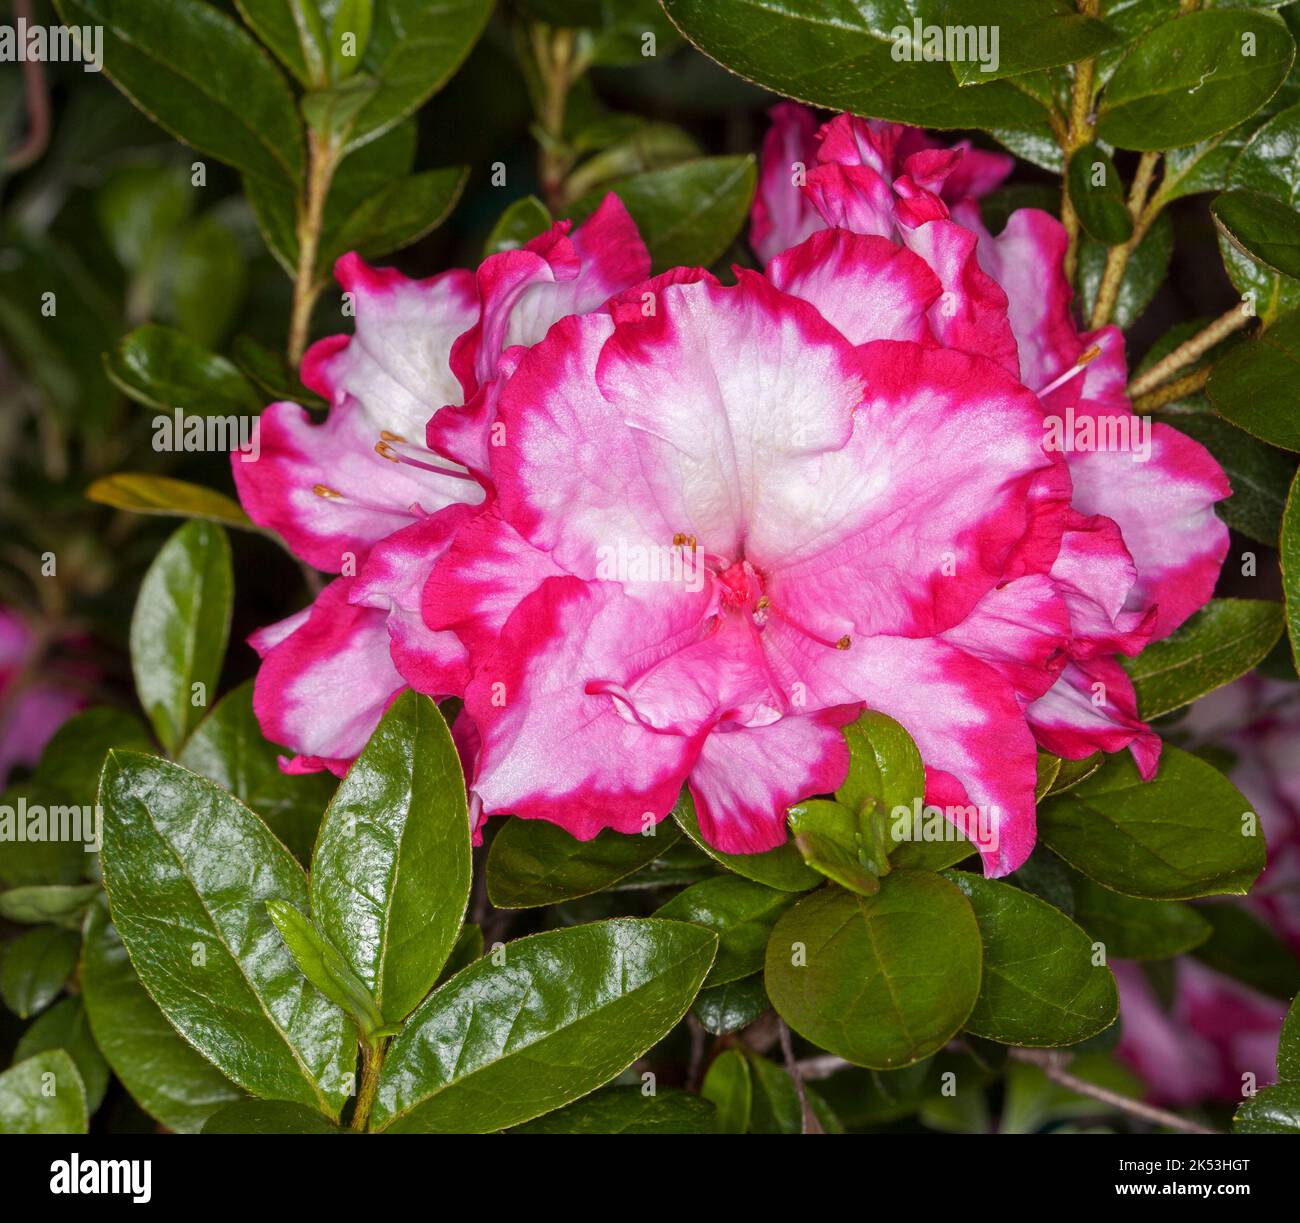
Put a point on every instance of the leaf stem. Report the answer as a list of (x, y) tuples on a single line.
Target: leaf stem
[(559, 66), (1144, 213), (372, 1061), (1171, 392), (1191, 350), (322, 156), (1077, 134)]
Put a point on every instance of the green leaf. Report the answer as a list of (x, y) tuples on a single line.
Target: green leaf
[(782, 868), (688, 214), (352, 19), (74, 756), (64, 1026), (35, 966), (841, 56), (519, 223), (163, 368), (391, 874), (1144, 273), (1259, 474), (727, 1084), (1290, 547), (1194, 77), (269, 371), (1185, 833), (165, 1075), (1288, 1046), (399, 214), (198, 74), (1262, 227), (1253, 386), (1134, 929), (293, 29), (413, 50), (179, 629), (883, 980), (776, 1108), (1072, 772), (1271, 1110), (834, 843), (1244, 948), (324, 966), (723, 1009), (625, 1110), (52, 902), (189, 870), (227, 747), (740, 912), (1033, 34), (43, 1095), (1097, 193), (563, 1014), (148, 494), (208, 278), (268, 1117), (1040, 986), (1224, 640), (468, 948), (534, 862)]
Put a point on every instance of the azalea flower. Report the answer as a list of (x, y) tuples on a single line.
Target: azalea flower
[(33, 704), (364, 496)]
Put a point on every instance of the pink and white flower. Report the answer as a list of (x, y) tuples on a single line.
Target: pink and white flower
[(364, 495)]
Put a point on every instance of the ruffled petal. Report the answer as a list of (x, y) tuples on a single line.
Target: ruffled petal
[(782, 216)]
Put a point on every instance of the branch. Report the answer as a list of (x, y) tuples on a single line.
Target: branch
[(1172, 392), (1191, 350), (1144, 215)]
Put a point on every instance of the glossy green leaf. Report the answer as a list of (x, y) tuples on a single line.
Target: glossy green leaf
[(1033, 34), (35, 966), (293, 29), (1262, 226), (75, 754), (1134, 929), (468, 948), (270, 373), (324, 966), (268, 1117), (163, 368), (723, 1009), (1259, 474), (882, 980), (1048, 770), (625, 1110), (189, 870), (727, 1085), (837, 844), (399, 214), (741, 913), (349, 36), (519, 223), (1191, 78), (1187, 832), (228, 747), (43, 1095), (1040, 986), (1072, 772), (1224, 640), (563, 1014), (1271, 1110), (200, 75), (65, 1026), (1288, 1046), (841, 56), (782, 868), (414, 48), (391, 874), (166, 1075), (53, 902), (688, 214), (1268, 162), (179, 629), (148, 494), (1097, 193), (208, 278), (535, 862), (1254, 386), (776, 1108)]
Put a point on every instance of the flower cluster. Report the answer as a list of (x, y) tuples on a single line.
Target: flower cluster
[(678, 531)]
